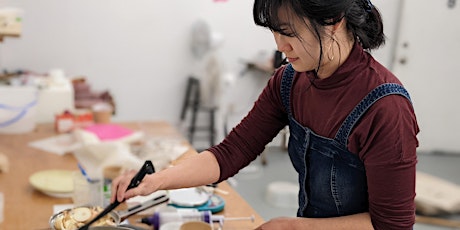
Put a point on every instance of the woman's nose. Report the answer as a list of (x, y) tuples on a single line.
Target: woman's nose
[(281, 43)]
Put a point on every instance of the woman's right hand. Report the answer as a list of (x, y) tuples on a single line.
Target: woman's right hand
[(189, 172), (121, 183)]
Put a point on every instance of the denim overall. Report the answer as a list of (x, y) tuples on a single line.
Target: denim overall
[(332, 180)]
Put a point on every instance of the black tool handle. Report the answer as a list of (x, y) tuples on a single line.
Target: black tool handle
[(147, 168)]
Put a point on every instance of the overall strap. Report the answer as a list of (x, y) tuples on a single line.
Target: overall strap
[(376, 94), (286, 84)]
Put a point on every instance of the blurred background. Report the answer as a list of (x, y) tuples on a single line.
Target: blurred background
[(141, 51)]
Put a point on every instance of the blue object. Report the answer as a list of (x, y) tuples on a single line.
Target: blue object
[(21, 112), (215, 204), (83, 172)]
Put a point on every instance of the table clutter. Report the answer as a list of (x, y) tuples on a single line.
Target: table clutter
[(18, 106), (45, 179), (74, 218), (436, 196), (53, 182), (147, 168), (178, 217), (25, 98)]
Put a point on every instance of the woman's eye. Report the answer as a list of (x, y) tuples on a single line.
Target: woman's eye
[(288, 34)]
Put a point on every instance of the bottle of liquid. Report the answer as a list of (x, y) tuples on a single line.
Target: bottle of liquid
[(160, 218)]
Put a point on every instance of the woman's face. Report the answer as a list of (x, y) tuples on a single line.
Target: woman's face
[(298, 42)]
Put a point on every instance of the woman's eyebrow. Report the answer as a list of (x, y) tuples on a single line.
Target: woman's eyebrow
[(284, 23), (285, 26)]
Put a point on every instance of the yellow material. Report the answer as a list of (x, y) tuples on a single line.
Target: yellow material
[(52, 181), (4, 163)]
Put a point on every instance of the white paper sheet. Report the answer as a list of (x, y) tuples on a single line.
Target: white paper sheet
[(60, 144)]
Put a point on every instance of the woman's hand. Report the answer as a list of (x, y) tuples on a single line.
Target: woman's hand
[(355, 221), (188, 173), (121, 183), (279, 223)]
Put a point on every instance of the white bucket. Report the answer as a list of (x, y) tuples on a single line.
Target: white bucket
[(282, 194), (17, 109)]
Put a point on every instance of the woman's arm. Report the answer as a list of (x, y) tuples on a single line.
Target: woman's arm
[(196, 170), (354, 222)]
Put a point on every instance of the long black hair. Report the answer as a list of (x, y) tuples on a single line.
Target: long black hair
[(362, 17)]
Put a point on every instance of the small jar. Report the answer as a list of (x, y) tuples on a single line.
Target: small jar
[(109, 174)]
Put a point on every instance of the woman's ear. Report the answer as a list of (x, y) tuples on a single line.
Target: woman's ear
[(337, 25)]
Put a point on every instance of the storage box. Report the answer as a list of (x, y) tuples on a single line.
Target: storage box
[(71, 120), (17, 109), (55, 97), (10, 21)]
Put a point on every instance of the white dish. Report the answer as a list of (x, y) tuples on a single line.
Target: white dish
[(58, 194), (188, 197), (56, 183)]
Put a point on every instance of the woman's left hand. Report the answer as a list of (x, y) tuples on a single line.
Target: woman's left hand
[(278, 223)]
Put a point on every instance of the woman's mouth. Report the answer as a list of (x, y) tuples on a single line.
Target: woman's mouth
[(291, 60)]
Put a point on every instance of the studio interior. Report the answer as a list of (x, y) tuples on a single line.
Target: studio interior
[(92, 89)]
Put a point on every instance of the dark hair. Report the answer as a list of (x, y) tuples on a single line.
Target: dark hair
[(363, 18)]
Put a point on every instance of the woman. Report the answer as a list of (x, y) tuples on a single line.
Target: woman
[(352, 126)]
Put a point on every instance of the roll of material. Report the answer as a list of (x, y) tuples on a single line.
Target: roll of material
[(2, 205), (4, 163), (17, 109), (282, 194)]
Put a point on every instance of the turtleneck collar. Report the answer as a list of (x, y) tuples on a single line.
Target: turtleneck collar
[(355, 63)]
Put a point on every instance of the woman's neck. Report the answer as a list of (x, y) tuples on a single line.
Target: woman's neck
[(341, 49)]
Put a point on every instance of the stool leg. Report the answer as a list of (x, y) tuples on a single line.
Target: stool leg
[(283, 139), (192, 127), (212, 130), (263, 158)]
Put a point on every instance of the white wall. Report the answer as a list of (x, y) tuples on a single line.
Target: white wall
[(426, 62), (139, 49), (390, 11)]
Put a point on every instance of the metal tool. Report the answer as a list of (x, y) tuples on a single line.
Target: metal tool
[(147, 168)]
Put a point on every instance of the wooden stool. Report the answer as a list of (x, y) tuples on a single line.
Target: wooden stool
[(192, 103)]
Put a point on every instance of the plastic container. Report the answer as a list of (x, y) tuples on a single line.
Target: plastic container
[(58, 89), (102, 113), (159, 219), (282, 194), (18, 109), (86, 193)]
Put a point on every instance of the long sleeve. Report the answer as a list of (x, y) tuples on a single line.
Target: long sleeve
[(249, 138)]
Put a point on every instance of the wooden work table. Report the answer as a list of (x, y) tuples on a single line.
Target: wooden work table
[(27, 208)]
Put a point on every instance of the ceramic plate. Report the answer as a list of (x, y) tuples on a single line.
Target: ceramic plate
[(57, 183), (58, 194), (188, 197)]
